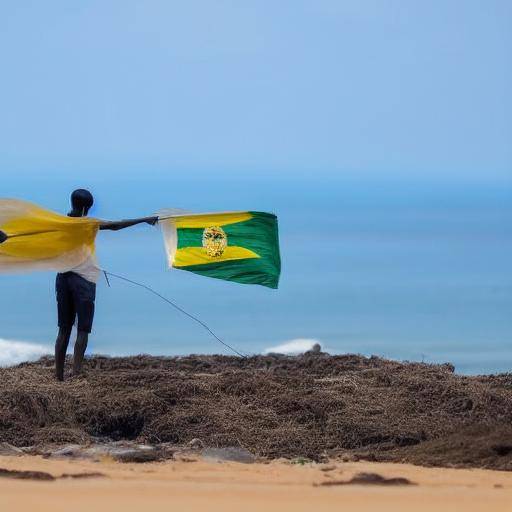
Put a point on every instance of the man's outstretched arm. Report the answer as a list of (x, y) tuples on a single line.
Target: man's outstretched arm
[(116, 225)]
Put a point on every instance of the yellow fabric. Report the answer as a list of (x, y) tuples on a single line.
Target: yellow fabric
[(42, 239), (197, 256), (210, 219)]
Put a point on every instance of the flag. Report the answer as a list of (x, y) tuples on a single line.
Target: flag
[(234, 246), (32, 238)]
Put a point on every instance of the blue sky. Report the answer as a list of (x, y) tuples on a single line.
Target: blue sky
[(378, 131), (413, 89)]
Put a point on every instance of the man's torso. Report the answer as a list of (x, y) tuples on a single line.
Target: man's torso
[(88, 269)]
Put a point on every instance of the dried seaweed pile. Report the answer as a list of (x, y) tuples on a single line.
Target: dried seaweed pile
[(275, 406)]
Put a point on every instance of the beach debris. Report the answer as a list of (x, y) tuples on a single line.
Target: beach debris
[(284, 407), (10, 450), (349, 457), (368, 479), (135, 455), (73, 451), (301, 461), (315, 350), (43, 475), (230, 454), (326, 468), (185, 457), (83, 475), (118, 451), (195, 444), (26, 475)]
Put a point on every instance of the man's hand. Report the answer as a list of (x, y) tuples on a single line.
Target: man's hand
[(152, 221)]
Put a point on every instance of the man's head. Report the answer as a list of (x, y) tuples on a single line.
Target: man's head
[(81, 202)]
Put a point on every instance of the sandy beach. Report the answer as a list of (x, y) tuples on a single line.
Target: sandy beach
[(201, 485)]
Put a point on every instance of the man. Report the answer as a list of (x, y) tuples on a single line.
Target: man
[(76, 290)]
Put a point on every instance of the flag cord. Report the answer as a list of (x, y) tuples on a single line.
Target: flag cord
[(174, 305)]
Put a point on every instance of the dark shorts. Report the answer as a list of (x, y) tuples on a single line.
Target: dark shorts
[(75, 299)]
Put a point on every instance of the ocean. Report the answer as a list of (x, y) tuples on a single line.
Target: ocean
[(411, 272)]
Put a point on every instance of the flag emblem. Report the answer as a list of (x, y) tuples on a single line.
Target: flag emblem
[(214, 241)]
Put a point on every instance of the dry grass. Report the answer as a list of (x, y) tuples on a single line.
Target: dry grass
[(275, 406)]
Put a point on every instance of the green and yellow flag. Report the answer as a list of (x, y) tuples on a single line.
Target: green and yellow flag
[(235, 246)]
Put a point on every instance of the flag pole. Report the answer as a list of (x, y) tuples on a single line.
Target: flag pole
[(4, 236)]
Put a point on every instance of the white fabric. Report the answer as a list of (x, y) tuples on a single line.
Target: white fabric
[(88, 269), (170, 234)]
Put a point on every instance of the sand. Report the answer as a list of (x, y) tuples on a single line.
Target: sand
[(228, 486)]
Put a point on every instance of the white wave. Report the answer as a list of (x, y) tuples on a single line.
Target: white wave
[(293, 347), (15, 352)]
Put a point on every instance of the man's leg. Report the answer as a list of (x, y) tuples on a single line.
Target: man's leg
[(61, 346), (66, 317), (84, 293), (82, 338)]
